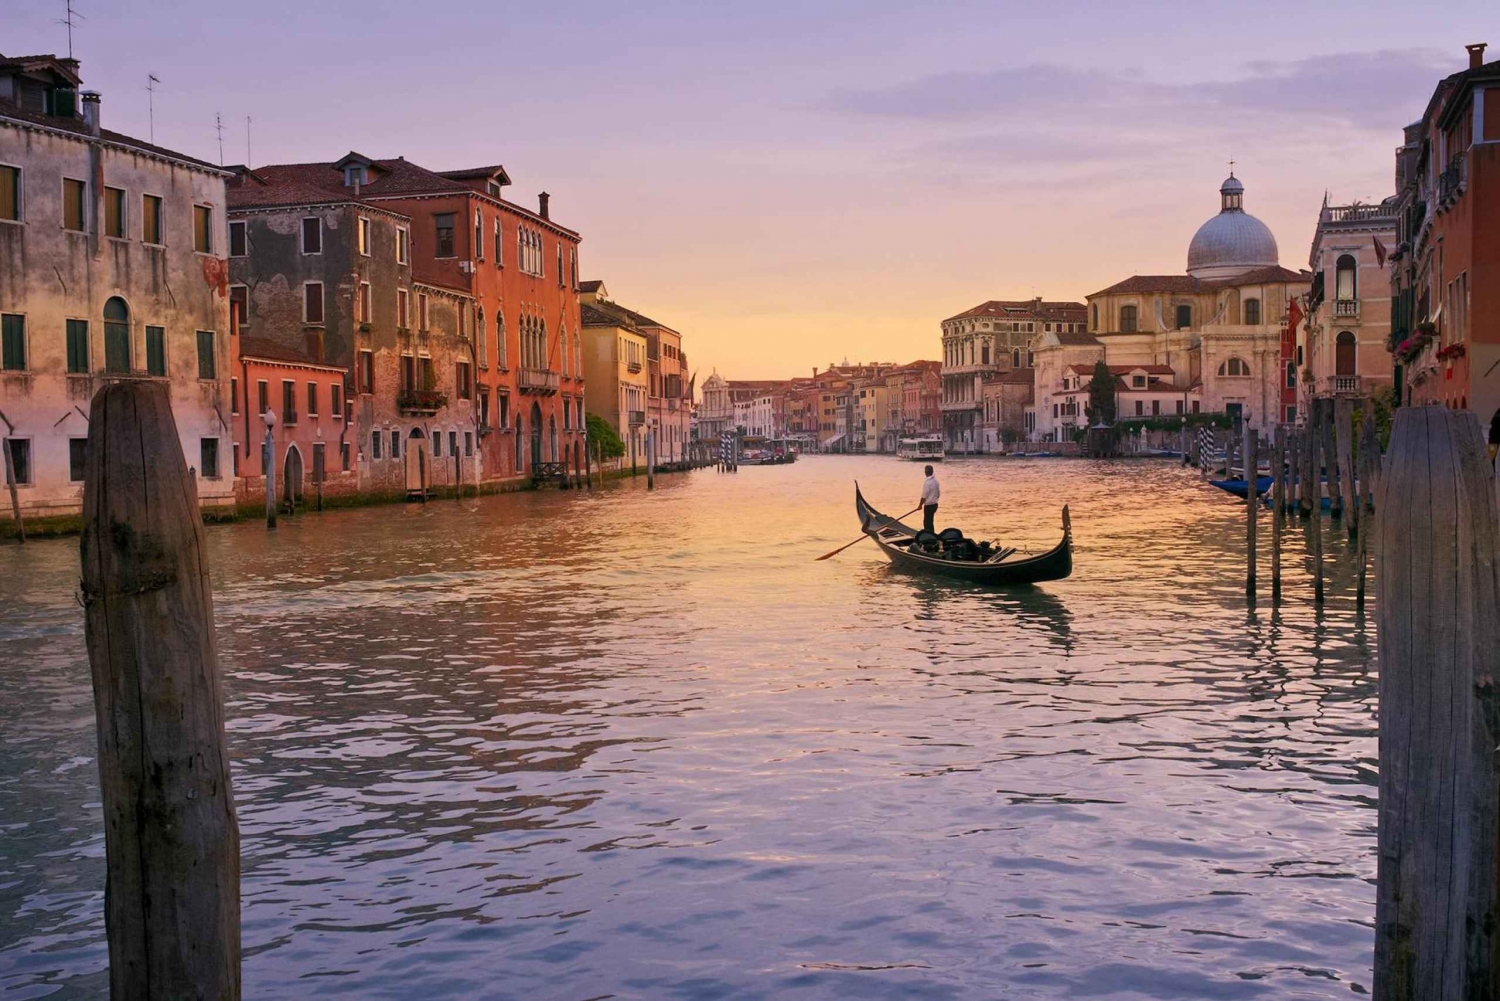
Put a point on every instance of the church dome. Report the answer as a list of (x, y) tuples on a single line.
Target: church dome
[(1232, 242)]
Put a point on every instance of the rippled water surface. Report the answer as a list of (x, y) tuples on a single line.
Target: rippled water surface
[(631, 745)]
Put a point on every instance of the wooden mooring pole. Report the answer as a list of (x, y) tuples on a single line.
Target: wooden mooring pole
[(1437, 936), (650, 460), (1343, 429), (1278, 507), (1331, 462), (1252, 501), (1369, 481), (171, 839), (10, 481)]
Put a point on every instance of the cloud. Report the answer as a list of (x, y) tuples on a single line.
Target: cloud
[(1363, 90)]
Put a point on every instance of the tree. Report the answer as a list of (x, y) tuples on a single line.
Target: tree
[(601, 434), (1101, 405)]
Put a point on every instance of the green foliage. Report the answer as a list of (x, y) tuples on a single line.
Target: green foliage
[(603, 436), (1101, 405), (1383, 404)]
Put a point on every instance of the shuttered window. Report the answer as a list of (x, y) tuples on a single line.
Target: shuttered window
[(73, 194), (207, 369), (78, 346), (151, 219), (156, 351), (203, 221), (13, 342), (114, 213), (10, 193)]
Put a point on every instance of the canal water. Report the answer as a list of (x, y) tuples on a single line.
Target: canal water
[(622, 744)]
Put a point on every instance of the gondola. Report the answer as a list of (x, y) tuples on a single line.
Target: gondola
[(896, 541), (1238, 487)]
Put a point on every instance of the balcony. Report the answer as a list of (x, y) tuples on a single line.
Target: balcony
[(637, 418), (420, 402), (1450, 181), (634, 365), (1346, 307), (1344, 385), (537, 381)]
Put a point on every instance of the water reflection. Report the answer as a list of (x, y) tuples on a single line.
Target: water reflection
[(571, 745)]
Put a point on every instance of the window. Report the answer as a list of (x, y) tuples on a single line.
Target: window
[(403, 240), (1179, 407), (73, 198), (151, 220), (13, 342), (375, 445), (208, 458), (429, 377), (156, 351), (367, 372), (114, 213), (10, 193), (478, 234), (1252, 312), (1184, 317), (463, 389), (116, 336), (1136, 382), (443, 225), (503, 416), (484, 409), (1155, 408), (481, 342), (77, 458), (234, 395), (499, 244), (206, 367), (312, 399), (203, 220), (1127, 319), (336, 401), (20, 459), (239, 306), (408, 373), (262, 396), (567, 415), (1291, 375), (559, 266), (312, 235), (237, 240), (468, 443), (362, 305), (1344, 354), (1140, 408), (364, 236), (395, 444), (573, 266), (288, 402), (421, 310), (1235, 367), (344, 454), (312, 302), (1344, 288), (437, 444), (403, 308), (453, 443)]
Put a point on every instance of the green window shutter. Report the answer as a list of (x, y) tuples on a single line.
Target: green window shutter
[(156, 351), (13, 343), (116, 347), (78, 346), (206, 354)]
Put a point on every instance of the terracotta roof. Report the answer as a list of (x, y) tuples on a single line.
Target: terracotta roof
[(590, 286), (630, 316), (1075, 338), (594, 317), (1014, 376), (269, 350), (79, 127), (469, 173), (1187, 284), (1029, 309), (65, 66), (1262, 276)]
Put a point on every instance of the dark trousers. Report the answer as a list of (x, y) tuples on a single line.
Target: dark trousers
[(929, 511)]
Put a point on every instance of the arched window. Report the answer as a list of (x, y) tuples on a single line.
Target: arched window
[(1291, 375), (1251, 310), (1015, 358), (1235, 367), (1343, 354), (1096, 316), (1343, 284), (1184, 316), (984, 354), (116, 335), (481, 342), (1127, 319)]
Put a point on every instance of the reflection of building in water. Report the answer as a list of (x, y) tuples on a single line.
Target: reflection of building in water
[(1205, 341)]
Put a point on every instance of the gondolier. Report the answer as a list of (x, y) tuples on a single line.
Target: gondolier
[(930, 493)]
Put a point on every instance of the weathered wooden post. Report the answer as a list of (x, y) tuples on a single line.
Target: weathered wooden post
[(632, 452), (171, 840), (1252, 501), (1343, 425), (1330, 461), (268, 467), (1436, 930), (650, 460), (1278, 507), (1312, 490), (1369, 478), (10, 481)]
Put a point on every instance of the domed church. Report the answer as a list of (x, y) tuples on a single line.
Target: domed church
[(1207, 341)]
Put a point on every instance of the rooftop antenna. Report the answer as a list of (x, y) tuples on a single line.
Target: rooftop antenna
[(247, 141), (219, 128), (68, 19), (151, 81)]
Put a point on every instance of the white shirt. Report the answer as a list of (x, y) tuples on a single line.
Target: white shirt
[(930, 491)]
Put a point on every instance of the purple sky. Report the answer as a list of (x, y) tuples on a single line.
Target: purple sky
[(791, 184)]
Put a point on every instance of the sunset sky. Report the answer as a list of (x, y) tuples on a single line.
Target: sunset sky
[(794, 183)]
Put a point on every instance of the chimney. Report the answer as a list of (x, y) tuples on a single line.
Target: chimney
[(91, 110), (542, 200), (1476, 54)]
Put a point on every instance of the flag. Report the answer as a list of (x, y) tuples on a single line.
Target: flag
[(1379, 251), (1293, 316)]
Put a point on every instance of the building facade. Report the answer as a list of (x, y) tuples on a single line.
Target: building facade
[(1445, 270), (1345, 349), (111, 267), (991, 338), (614, 366), (715, 409)]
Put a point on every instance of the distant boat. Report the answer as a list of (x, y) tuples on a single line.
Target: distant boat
[(950, 555), (926, 449), (1238, 488)]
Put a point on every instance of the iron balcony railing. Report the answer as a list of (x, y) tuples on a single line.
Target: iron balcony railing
[(634, 365), (1450, 180), (637, 418), (1346, 307)]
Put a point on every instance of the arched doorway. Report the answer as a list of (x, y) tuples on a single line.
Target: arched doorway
[(418, 462), (536, 433), (1344, 360), (291, 477), (116, 335)]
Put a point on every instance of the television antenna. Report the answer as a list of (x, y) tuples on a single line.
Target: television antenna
[(219, 129), (151, 81), (69, 19)]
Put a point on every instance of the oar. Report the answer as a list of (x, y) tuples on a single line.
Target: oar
[(865, 536)]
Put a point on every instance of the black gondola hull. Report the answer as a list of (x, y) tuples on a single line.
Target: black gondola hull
[(1055, 564)]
